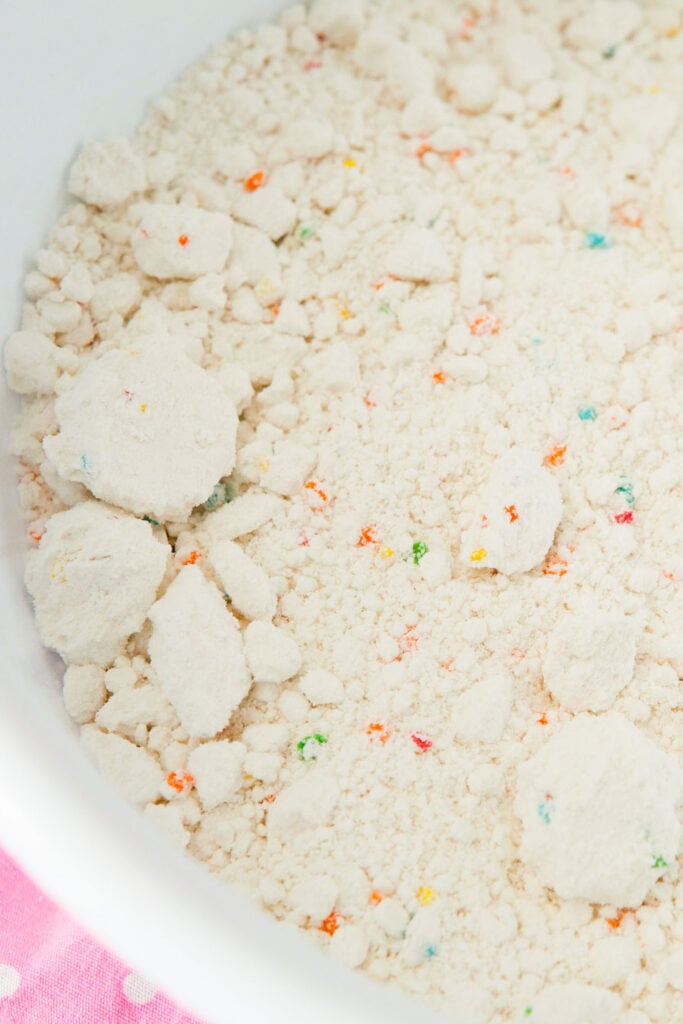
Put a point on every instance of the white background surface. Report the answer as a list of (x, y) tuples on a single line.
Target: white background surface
[(69, 70)]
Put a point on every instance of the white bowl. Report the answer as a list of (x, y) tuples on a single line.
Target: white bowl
[(71, 70)]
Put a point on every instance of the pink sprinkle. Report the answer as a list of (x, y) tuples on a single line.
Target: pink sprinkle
[(304, 542), (624, 517), (421, 742), (311, 65)]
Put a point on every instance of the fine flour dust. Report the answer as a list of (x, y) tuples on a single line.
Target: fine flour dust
[(351, 450)]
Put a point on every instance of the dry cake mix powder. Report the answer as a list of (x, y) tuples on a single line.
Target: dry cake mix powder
[(350, 450)]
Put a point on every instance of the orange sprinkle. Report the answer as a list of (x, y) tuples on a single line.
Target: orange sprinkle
[(270, 799), (447, 665), (517, 652), (368, 401), (484, 522), (439, 377), (192, 558), (377, 731), (423, 148), (511, 513), (183, 240), (484, 324), (275, 310), (36, 535), (331, 923), (367, 537), (555, 567), (466, 26), (567, 172), (407, 642), (555, 457), (179, 781), (630, 214), (255, 181), (542, 719), (375, 898), (454, 156), (311, 485)]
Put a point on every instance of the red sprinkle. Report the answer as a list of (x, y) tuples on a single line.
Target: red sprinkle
[(624, 517), (421, 742), (183, 240)]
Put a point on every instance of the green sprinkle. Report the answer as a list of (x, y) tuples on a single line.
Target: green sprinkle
[(306, 232), (220, 495), (609, 52), (528, 1010), (385, 308), (594, 240), (148, 519), (417, 552), (587, 412), (308, 746), (537, 341), (659, 862), (627, 490)]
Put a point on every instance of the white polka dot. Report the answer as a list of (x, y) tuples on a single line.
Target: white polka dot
[(9, 980), (138, 989)]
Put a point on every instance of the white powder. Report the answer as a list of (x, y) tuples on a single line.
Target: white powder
[(399, 651)]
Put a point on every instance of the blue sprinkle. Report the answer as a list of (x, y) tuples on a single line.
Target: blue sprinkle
[(537, 341), (594, 240), (609, 52), (430, 951), (543, 813), (84, 463), (587, 412)]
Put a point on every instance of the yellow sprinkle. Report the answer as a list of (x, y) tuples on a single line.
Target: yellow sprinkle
[(425, 895), (672, 31), (476, 556), (264, 465), (143, 407), (653, 90), (349, 162), (386, 552), (343, 312)]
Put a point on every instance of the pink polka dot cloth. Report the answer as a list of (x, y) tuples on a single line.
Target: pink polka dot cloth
[(53, 972)]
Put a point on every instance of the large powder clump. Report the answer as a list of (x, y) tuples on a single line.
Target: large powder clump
[(599, 805)]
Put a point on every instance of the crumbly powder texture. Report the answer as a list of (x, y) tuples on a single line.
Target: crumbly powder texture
[(370, 340)]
